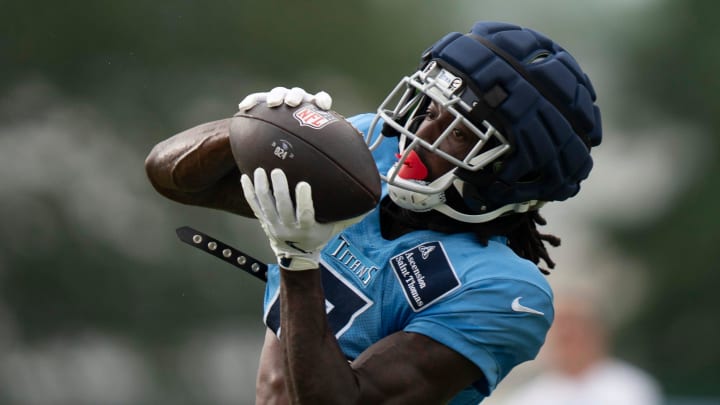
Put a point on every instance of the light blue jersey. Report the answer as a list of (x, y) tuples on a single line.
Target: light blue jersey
[(484, 302)]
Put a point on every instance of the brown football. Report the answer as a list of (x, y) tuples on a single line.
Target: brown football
[(312, 145)]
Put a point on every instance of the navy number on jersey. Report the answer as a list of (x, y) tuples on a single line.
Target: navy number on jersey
[(343, 303)]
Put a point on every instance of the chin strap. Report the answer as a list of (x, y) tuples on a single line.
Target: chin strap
[(488, 216), (423, 202), (414, 200)]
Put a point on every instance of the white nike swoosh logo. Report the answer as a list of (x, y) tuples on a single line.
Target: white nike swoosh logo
[(517, 307)]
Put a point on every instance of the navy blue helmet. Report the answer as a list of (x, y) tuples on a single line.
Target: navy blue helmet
[(525, 98)]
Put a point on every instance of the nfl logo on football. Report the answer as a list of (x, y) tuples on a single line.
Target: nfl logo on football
[(310, 116)]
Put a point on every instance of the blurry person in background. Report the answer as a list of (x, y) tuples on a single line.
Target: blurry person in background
[(580, 367)]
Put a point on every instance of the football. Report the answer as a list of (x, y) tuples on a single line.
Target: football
[(313, 145)]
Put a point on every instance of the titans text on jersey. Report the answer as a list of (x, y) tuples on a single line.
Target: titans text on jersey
[(345, 256)]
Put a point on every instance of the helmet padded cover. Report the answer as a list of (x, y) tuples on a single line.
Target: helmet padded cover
[(549, 115)]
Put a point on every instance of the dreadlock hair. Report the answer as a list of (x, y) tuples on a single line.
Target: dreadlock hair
[(528, 242), (519, 228)]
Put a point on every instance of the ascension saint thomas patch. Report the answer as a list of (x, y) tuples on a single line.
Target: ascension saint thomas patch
[(425, 274)]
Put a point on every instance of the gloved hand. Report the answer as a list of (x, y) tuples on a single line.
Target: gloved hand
[(295, 236), (292, 97)]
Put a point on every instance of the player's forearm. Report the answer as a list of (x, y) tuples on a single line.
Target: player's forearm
[(197, 167), (316, 369), (192, 160)]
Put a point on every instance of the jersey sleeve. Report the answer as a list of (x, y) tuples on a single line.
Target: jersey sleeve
[(495, 323), (271, 311)]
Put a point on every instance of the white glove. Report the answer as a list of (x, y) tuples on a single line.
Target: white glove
[(292, 97), (295, 236)]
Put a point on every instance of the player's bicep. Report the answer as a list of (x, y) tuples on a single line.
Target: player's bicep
[(410, 367)]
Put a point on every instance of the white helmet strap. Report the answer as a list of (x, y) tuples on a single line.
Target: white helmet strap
[(423, 202), (488, 216)]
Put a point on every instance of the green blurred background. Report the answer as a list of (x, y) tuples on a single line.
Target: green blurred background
[(99, 303)]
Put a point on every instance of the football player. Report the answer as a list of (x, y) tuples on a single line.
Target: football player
[(435, 295)]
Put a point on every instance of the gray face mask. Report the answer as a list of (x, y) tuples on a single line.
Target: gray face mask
[(399, 115)]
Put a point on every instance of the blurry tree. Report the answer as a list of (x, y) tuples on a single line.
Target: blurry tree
[(88, 46), (675, 67)]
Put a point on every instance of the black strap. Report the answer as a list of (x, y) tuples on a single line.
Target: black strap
[(223, 251)]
